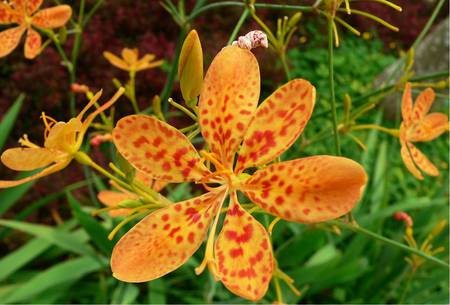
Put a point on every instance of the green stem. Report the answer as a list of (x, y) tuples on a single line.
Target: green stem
[(285, 65), (358, 229), (408, 284), (238, 25), (391, 131), (429, 23), (331, 84), (132, 92), (241, 4)]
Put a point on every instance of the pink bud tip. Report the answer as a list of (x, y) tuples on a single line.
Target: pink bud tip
[(403, 216), (252, 40), (78, 88)]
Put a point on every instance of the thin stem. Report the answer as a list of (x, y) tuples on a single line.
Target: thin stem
[(358, 229), (331, 85), (429, 23), (132, 92), (391, 131), (276, 283), (182, 109), (92, 12), (285, 66), (408, 284), (374, 18), (238, 26)]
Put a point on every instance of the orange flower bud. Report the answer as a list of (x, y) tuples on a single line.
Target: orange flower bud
[(190, 67), (403, 216)]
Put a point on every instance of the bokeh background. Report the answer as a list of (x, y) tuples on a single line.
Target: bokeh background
[(328, 268)]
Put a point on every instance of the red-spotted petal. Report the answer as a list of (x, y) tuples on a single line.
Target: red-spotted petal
[(53, 17), (164, 240), (158, 149), (8, 15), (45, 172), (32, 44), (308, 190), (33, 5), (414, 160), (228, 100), (429, 128), (244, 260), (279, 120), (423, 104), (407, 105), (9, 40)]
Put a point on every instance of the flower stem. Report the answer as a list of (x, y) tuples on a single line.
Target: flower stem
[(238, 26), (132, 91), (285, 65), (358, 229), (331, 84), (393, 132)]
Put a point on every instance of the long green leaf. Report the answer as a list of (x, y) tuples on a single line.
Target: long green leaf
[(57, 274), (9, 119), (96, 231), (55, 236)]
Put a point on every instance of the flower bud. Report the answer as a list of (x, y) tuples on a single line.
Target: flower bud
[(190, 67)]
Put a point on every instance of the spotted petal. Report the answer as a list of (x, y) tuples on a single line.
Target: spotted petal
[(8, 15), (45, 172), (53, 17), (33, 5), (415, 161), (243, 254), (158, 149), (308, 190), (228, 100), (32, 44), (429, 128), (423, 104), (27, 159), (9, 40), (407, 105), (164, 240), (278, 122)]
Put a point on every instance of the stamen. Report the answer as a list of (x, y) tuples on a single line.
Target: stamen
[(24, 141), (375, 18), (124, 222), (48, 126), (208, 259), (213, 159), (272, 225), (336, 34)]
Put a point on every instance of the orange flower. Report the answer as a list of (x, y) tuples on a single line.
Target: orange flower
[(115, 198), (62, 142), (419, 126), (25, 13), (130, 60), (304, 190)]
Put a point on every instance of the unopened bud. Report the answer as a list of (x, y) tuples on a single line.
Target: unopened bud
[(79, 88), (252, 40), (403, 216)]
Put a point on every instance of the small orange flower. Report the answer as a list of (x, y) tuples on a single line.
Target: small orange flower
[(62, 142), (130, 60), (419, 126), (115, 198), (304, 190), (25, 13)]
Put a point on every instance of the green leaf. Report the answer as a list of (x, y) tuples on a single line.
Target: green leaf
[(157, 292), (70, 270), (9, 119), (55, 236), (96, 231)]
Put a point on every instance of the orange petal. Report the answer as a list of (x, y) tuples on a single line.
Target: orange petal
[(116, 61), (130, 56), (112, 199), (278, 122), (243, 254), (8, 15), (409, 163), (414, 159), (27, 159), (45, 172), (429, 128), (32, 44), (164, 240), (308, 190), (158, 149), (228, 100), (33, 6), (53, 17), (9, 39), (407, 105), (423, 104), (158, 185)]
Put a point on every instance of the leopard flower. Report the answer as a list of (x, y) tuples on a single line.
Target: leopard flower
[(117, 198), (304, 190), (130, 60), (62, 142), (419, 126), (26, 14)]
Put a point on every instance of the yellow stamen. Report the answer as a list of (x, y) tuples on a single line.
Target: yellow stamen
[(24, 141), (336, 35), (124, 222), (347, 7), (347, 26), (272, 225), (208, 259), (375, 18)]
